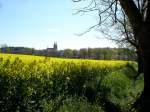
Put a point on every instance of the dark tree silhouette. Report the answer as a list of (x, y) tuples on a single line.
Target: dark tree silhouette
[(138, 13)]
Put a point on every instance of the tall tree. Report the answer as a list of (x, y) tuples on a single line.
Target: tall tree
[(138, 13)]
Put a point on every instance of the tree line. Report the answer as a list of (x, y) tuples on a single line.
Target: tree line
[(84, 53)]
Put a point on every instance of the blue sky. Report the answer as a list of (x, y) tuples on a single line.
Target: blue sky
[(40, 23)]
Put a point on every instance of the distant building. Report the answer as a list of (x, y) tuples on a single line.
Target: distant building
[(54, 49)]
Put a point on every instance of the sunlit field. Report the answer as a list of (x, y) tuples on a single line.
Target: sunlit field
[(45, 84), (30, 58)]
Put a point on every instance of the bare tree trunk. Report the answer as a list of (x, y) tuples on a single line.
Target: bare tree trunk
[(143, 34), (140, 65), (140, 62), (146, 98), (145, 46)]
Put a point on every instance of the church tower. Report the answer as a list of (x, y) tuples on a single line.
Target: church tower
[(55, 46)]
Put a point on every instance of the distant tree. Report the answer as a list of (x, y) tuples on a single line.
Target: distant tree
[(75, 53), (7, 50), (90, 53), (68, 53), (3, 45), (97, 53), (83, 53)]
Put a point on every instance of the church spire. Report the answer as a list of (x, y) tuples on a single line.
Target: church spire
[(55, 46)]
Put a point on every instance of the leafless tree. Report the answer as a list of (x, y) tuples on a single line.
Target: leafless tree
[(111, 13)]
